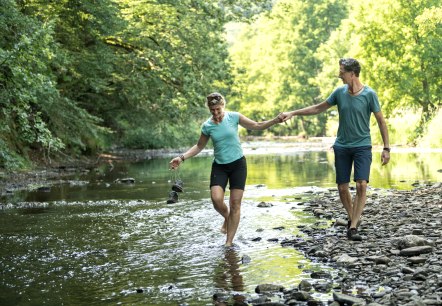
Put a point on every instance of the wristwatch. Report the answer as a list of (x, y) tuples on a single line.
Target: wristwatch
[(387, 149)]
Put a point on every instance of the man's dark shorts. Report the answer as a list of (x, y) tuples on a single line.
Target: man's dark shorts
[(235, 173), (361, 157)]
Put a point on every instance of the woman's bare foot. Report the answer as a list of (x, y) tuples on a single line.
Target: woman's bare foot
[(224, 227)]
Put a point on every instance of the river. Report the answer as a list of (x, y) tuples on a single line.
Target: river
[(92, 240)]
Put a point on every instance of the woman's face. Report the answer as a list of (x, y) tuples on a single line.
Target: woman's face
[(217, 111)]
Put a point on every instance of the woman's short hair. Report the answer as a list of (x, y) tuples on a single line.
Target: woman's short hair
[(215, 99), (350, 64)]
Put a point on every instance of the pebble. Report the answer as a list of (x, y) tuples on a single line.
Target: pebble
[(398, 261), (399, 258)]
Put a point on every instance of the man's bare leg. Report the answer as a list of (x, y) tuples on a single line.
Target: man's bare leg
[(217, 195), (345, 196), (359, 204), (234, 215)]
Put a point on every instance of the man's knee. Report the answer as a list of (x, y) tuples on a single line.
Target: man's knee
[(361, 186), (343, 187)]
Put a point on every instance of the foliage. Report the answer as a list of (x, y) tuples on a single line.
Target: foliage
[(81, 76), (286, 60), (432, 139), (399, 44), (275, 64)]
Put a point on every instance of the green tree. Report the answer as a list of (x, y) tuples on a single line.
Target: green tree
[(275, 63), (80, 76), (400, 43), (29, 98)]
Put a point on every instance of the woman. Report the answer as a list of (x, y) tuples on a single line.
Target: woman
[(229, 164)]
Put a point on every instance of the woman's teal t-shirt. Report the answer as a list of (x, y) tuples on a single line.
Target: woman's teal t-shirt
[(354, 116), (225, 139)]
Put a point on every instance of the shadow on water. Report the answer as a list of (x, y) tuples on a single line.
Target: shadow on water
[(95, 240)]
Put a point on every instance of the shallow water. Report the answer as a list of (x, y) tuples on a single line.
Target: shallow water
[(94, 241)]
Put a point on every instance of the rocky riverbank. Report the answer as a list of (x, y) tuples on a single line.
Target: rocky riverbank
[(398, 261)]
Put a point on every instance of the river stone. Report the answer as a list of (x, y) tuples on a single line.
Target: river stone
[(417, 250), (417, 260), (340, 222), (305, 285), (220, 296), (268, 288), (265, 204), (345, 299), (245, 259), (379, 260), (344, 259), (407, 270), (323, 286), (320, 274), (126, 180), (319, 212), (260, 300), (408, 242), (301, 295)]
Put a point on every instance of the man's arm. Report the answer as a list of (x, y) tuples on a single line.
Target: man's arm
[(306, 111), (384, 134)]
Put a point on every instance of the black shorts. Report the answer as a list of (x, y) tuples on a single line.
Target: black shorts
[(235, 173)]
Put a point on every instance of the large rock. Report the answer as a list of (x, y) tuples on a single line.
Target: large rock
[(268, 288), (344, 299), (413, 251), (408, 242)]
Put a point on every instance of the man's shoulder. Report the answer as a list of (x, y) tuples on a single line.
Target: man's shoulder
[(369, 89)]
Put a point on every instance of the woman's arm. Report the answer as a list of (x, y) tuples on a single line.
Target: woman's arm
[(196, 149), (253, 125)]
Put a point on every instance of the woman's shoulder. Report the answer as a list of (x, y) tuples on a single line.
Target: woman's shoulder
[(232, 114)]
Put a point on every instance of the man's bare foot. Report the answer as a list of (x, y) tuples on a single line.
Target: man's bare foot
[(224, 227)]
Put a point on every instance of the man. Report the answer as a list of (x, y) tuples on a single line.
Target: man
[(355, 102)]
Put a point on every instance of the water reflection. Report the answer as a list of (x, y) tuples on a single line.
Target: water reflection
[(284, 170), (227, 275), (96, 241)]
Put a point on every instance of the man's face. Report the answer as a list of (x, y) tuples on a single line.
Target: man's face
[(345, 76)]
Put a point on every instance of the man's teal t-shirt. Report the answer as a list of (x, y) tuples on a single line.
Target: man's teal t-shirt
[(354, 115), (225, 139)]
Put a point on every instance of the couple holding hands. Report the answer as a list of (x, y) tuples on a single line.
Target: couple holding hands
[(352, 147)]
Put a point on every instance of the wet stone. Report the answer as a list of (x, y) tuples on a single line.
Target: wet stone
[(399, 258), (417, 260), (416, 250), (268, 288)]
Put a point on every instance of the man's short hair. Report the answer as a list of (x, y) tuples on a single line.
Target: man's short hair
[(350, 64)]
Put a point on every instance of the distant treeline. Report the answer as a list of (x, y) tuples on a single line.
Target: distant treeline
[(83, 76)]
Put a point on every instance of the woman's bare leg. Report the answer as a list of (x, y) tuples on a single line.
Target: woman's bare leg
[(217, 195), (234, 215)]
